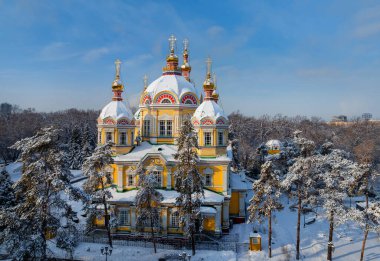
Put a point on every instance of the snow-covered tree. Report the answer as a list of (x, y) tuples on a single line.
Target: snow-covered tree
[(67, 234), (361, 183), (188, 181), (75, 152), (96, 169), (266, 199), (334, 168), (88, 142), (301, 179), (234, 143), (147, 201), (7, 196), (45, 176)]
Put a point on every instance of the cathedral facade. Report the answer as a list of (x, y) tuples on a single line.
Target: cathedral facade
[(149, 136)]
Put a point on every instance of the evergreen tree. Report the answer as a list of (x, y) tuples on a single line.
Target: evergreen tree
[(361, 183), (75, 152), (234, 143), (67, 234), (188, 181), (266, 199), (45, 176), (7, 197), (333, 169), (95, 168), (302, 177), (147, 201), (88, 143)]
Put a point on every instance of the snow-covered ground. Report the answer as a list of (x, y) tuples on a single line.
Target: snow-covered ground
[(314, 237), (90, 251)]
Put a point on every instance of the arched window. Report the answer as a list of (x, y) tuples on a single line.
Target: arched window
[(174, 219), (166, 101)]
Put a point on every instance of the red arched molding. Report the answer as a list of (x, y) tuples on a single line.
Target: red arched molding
[(188, 99), (163, 98)]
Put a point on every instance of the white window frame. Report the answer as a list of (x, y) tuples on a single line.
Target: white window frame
[(174, 219), (99, 137), (165, 128), (204, 138), (146, 128), (125, 138), (208, 172), (107, 137), (220, 134), (130, 181), (124, 218), (158, 176)]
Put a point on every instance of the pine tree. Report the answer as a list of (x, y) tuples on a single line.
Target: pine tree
[(302, 176), (88, 143), (266, 199), (361, 183), (188, 181), (98, 180), (67, 234), (333, 169), (147, 201), (75, 152), (7, 197), (37, 214)]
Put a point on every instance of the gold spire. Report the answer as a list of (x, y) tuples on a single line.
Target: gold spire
[(208, 83), (172, 59), (215, 94), (117, 85), (172, 42), (185, 67), (145, 81)]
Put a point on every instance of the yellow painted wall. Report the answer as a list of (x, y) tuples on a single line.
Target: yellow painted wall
[(234, 203)]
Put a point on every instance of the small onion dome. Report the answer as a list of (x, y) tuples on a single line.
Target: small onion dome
[(274, 146), (172, 84), (208, 84), (172, 58), (117, 85), (116, 110), (215, 95), (211, 110)]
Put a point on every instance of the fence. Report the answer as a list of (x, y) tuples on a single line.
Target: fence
[(168, 243)]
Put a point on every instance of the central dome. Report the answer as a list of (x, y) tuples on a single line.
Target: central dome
[(171, 89)]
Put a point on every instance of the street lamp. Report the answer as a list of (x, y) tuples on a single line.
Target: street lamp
[(107, 251), (185, 256)]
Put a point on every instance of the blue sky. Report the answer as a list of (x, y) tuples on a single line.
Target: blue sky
[(313, 58)]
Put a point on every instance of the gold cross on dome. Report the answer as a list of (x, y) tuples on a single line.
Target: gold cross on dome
[(117, 65), (172, 41), (145, 80), (185, 44), (208, 62)]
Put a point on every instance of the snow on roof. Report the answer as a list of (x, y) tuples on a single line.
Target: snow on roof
[(116, 110), (238, 181), (176, 84), (254, 234), (273, 143), (166, 151), (169, 196), (209, 109), (137, 114), (208, 210)]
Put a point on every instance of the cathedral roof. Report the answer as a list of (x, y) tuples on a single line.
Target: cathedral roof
[(172, 84), (116, 110), (209, 109)]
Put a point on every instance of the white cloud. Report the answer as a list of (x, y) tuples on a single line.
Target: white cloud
[(95, 54), (56, 51)]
